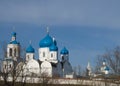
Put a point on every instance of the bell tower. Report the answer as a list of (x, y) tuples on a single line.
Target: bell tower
[(13, 48)]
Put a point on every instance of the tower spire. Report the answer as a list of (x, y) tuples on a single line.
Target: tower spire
[(88, 70), (88, 66), (13, 34), (47, 29)]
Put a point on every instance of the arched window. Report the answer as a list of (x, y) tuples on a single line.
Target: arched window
[(5, 66), (63, 58), (10, 66), (33, 57), (15, 52), (10, 51), (43, 54), (51, 54)]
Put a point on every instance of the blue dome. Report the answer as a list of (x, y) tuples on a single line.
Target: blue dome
[(53, 47), (14, 42), (46, 42), (64, 51), (30, 49), (14, 34), (107, 68)]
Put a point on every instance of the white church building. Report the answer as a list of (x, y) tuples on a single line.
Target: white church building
[(104, 68), (48, 63)]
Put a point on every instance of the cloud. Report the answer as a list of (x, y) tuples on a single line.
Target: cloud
[(63, 12)]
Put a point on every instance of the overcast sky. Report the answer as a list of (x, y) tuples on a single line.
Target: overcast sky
[(85, 27)]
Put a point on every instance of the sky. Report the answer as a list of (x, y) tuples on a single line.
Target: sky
[(85, 27)]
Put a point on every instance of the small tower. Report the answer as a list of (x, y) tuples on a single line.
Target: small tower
[(29, 53), (104, 68), (88, 70), (54, 51), (13, 48), (107, 69), (31, 66), (64, 55), (66, 66)]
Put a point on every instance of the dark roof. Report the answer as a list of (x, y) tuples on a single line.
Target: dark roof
[(54, 64)]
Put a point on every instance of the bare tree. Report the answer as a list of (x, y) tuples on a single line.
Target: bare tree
[(75, 70), (99, 61), (8, 72), (112, 58), (3, 74), (44, 79)]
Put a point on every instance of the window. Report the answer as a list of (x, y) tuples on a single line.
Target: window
[(5, 66), (63, 58), (10, 51), (43, 54), (28, 57), (10, 66), (15, 52), (51, 54)]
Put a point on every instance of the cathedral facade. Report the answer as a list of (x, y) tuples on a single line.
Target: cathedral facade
[(48, 63)]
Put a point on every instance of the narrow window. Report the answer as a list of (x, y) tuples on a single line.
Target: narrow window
[(10, 65), (43, 54), (51, 54), (15, 52), (33, 57), (63, 58), (10, 51), (5, 66)]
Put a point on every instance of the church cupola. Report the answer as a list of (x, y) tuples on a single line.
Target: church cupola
[(107, 68), (30, 49), (54, 51), (48, 50), (13, 40), (46, 42), (54, 47), (30, 53), (64, 54), (13, 36), (64, 51)]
